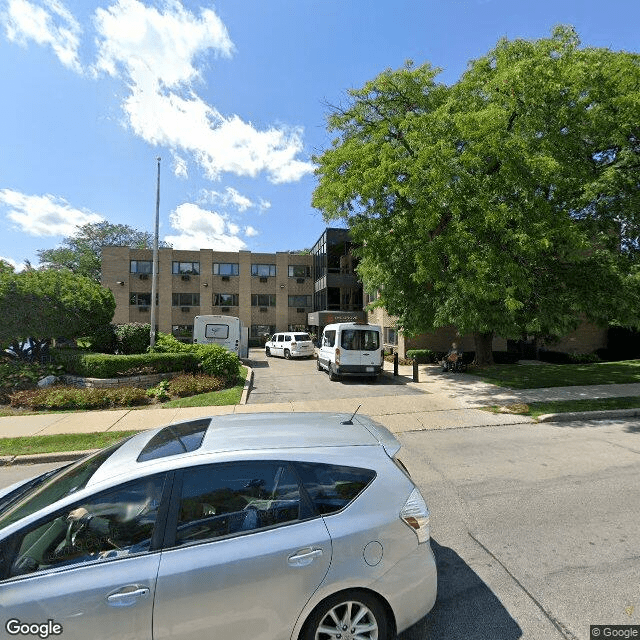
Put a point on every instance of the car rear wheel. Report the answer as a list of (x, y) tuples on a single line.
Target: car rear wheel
[(287, 354), (318, 365), (348, 615), (268, 352), (333, 376)]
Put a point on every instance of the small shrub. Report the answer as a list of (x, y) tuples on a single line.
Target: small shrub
[(160, 391), (133, 338), (423, 356), (16, 375), (60, 398), (186, 385), (102, 365), (104, 339)]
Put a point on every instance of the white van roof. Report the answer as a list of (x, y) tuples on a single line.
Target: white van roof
[(337, 325)]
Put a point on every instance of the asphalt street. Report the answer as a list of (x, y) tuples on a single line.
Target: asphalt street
[(535, 527)]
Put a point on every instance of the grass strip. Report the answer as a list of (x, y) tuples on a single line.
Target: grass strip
[(537, 409), (537, 376), (229, 396), (60, 442)]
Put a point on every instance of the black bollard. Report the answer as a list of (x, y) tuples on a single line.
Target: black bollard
[(395, 363), (416, 375)]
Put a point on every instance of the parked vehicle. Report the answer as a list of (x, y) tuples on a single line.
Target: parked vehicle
[(227, 331), (290, 344), (351, 348), (272, 525)]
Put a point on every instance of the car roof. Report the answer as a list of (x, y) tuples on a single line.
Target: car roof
[(253, 432)]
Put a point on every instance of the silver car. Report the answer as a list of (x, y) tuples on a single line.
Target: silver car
[(242, 527)]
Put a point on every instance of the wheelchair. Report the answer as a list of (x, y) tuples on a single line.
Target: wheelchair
[(454, 363)]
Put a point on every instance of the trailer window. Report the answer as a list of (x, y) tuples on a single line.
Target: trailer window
[(216, 331)]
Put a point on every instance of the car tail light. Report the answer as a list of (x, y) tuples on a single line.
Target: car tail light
[(415, 514), (293, 345), (337, 357)]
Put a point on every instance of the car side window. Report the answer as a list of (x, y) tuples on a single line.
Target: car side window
[(109, 525), (332, 487), (235, 498), (280, 338), (287, 338)]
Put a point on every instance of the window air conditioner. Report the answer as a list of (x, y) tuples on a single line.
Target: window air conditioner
[(264, 279), (143, 309), (186, 277), (300, 310), (185, 309), (225, 278), (263, 309), (300, 280), (144, 276)]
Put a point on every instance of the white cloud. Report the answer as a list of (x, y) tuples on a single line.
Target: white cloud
[(230, 197), (51, 24), (202, 229), (17, 266), (156, 53), (45, 215), (250, 232), (180, 167)]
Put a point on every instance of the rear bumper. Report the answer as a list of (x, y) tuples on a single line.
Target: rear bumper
[(410, 587), (359, 370)]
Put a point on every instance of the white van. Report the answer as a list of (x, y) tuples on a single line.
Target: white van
[(351, 348), (290, 344), (227, 331)]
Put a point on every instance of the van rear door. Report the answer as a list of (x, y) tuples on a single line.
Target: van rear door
[(360, 346)]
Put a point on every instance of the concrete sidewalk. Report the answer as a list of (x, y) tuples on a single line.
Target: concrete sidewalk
[(447, 401)]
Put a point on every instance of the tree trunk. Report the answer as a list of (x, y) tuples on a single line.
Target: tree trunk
[(484, 348)]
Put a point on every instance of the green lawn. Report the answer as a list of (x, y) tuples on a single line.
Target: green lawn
[(212, 399), (537, 409), (61, 442), (536, 376)]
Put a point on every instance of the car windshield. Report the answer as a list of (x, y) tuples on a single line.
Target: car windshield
[(302, 337), (54, 487)]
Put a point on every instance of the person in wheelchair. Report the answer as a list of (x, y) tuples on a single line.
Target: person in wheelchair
[(452, 361)]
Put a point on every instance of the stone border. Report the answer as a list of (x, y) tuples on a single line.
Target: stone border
[(143, 381)]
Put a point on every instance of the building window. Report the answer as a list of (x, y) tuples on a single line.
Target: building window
[(185, 268), (185, 299), (299, 271), (262, 330), (263, 300), (226, 268), (299, 301), (391, 335), (141, 266), (140, 299), (225, 299), (263, 270)]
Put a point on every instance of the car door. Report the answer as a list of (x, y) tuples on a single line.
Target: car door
[(88, 568), (280, 345), (245, 558)]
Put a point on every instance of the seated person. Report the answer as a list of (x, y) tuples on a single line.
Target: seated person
[(452, 357)]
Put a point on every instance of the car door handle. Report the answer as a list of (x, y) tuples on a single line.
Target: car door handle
[(304, 557), (124, 598)]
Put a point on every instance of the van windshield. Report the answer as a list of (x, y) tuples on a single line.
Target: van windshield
[(360, 340)]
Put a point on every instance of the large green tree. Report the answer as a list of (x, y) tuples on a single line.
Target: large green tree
[(81, 252), (507, 203), (51, 303)]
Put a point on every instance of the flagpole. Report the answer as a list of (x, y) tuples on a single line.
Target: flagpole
[(154, 276)]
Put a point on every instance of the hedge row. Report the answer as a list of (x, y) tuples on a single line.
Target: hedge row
[(103, 365)]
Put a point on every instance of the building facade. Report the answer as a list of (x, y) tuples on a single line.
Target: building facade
[(268, 291)]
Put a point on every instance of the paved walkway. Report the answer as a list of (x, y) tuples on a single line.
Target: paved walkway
[(447, 401)]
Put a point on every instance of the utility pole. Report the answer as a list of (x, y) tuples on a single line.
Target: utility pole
[(154, 275)]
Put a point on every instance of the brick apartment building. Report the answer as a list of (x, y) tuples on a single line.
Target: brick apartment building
[(271, 292)]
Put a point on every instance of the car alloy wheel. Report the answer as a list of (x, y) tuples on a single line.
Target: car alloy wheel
[(287, 354), (348, 616)]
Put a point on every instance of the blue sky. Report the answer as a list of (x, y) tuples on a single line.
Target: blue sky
[(231, 95)]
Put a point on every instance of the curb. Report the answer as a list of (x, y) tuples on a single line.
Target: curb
[(247, 385), (589, 415)]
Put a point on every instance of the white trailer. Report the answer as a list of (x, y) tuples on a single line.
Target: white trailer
[(227, 331)]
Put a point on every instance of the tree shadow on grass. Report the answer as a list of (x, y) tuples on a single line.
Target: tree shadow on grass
[(465, 608)]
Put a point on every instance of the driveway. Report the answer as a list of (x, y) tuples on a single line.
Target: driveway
[(279, 380)]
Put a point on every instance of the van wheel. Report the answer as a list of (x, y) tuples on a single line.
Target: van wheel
[(333, 376), (318, 365), (268, 352), (287, 354)]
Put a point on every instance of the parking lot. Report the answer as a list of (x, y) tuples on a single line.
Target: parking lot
[(279, 380)]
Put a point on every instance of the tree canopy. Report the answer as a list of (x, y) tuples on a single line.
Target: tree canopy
[(506, 203), (81, 253), (52, 303)]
